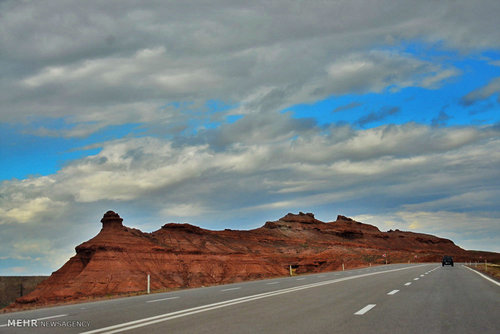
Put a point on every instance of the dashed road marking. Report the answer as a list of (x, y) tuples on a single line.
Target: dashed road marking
[(365, 309), (301, 279), (230, 289), (416, 279), (126, 326), (408, 283), (393, 292), (270, 283)]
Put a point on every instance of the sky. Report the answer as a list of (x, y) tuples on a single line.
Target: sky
[(228, 114)]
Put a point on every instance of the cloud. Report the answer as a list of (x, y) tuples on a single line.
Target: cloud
[(378, 116), (348, 106), (442, 118), (376, 70), (483, 93), (119, 64)]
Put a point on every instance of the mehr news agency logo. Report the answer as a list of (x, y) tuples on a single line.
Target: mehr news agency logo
[(38, 323)]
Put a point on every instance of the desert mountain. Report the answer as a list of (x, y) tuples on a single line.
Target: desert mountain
[(118, 259)]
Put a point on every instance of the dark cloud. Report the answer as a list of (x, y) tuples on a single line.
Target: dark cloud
[(348, 106), (442, 118), (377, 116), (483, 93), (482, 108)]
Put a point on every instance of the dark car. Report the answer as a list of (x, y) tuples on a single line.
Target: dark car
[(447, 260)]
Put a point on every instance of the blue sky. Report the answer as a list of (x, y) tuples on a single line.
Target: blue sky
[(228, 115)]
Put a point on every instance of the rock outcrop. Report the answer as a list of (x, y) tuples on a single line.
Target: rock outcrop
[(119, 258)]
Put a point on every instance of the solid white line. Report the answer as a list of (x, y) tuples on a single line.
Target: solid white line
[(230, 289), (393, 292), (482, 275), (44, 318), (273, 283), (365, 309), (182, 313), (409, 283), (53, 316), (159, 300)]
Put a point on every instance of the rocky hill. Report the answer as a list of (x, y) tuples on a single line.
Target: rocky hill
[(119, 258)]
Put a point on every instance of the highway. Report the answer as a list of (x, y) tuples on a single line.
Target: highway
[(398, 298)]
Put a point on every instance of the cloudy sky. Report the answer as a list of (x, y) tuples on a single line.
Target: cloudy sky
[(226, 114)]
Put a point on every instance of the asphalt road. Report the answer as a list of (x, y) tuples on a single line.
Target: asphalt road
[(401, 298)]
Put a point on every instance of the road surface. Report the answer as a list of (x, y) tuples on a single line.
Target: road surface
[(400, 298)]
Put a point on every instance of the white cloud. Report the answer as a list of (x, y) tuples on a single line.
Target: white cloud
[(148, 69), (184, 210), (377, 70), (28, 210)]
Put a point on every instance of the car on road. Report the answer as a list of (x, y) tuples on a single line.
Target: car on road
[(447, 260)]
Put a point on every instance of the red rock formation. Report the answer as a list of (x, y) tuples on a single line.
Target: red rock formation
[(118, 259)]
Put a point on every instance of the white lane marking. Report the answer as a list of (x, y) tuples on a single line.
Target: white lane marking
[(273, 283), (159, 300), (182, 313), (44, 318), (393, 292), (416, 279), (409, 283), (365, 309), (301, 279), (421, 275), (230, 289), (321, 276), (482, 275), (53, 316)]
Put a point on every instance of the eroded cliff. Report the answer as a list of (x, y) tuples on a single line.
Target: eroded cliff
[(118, 259)]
